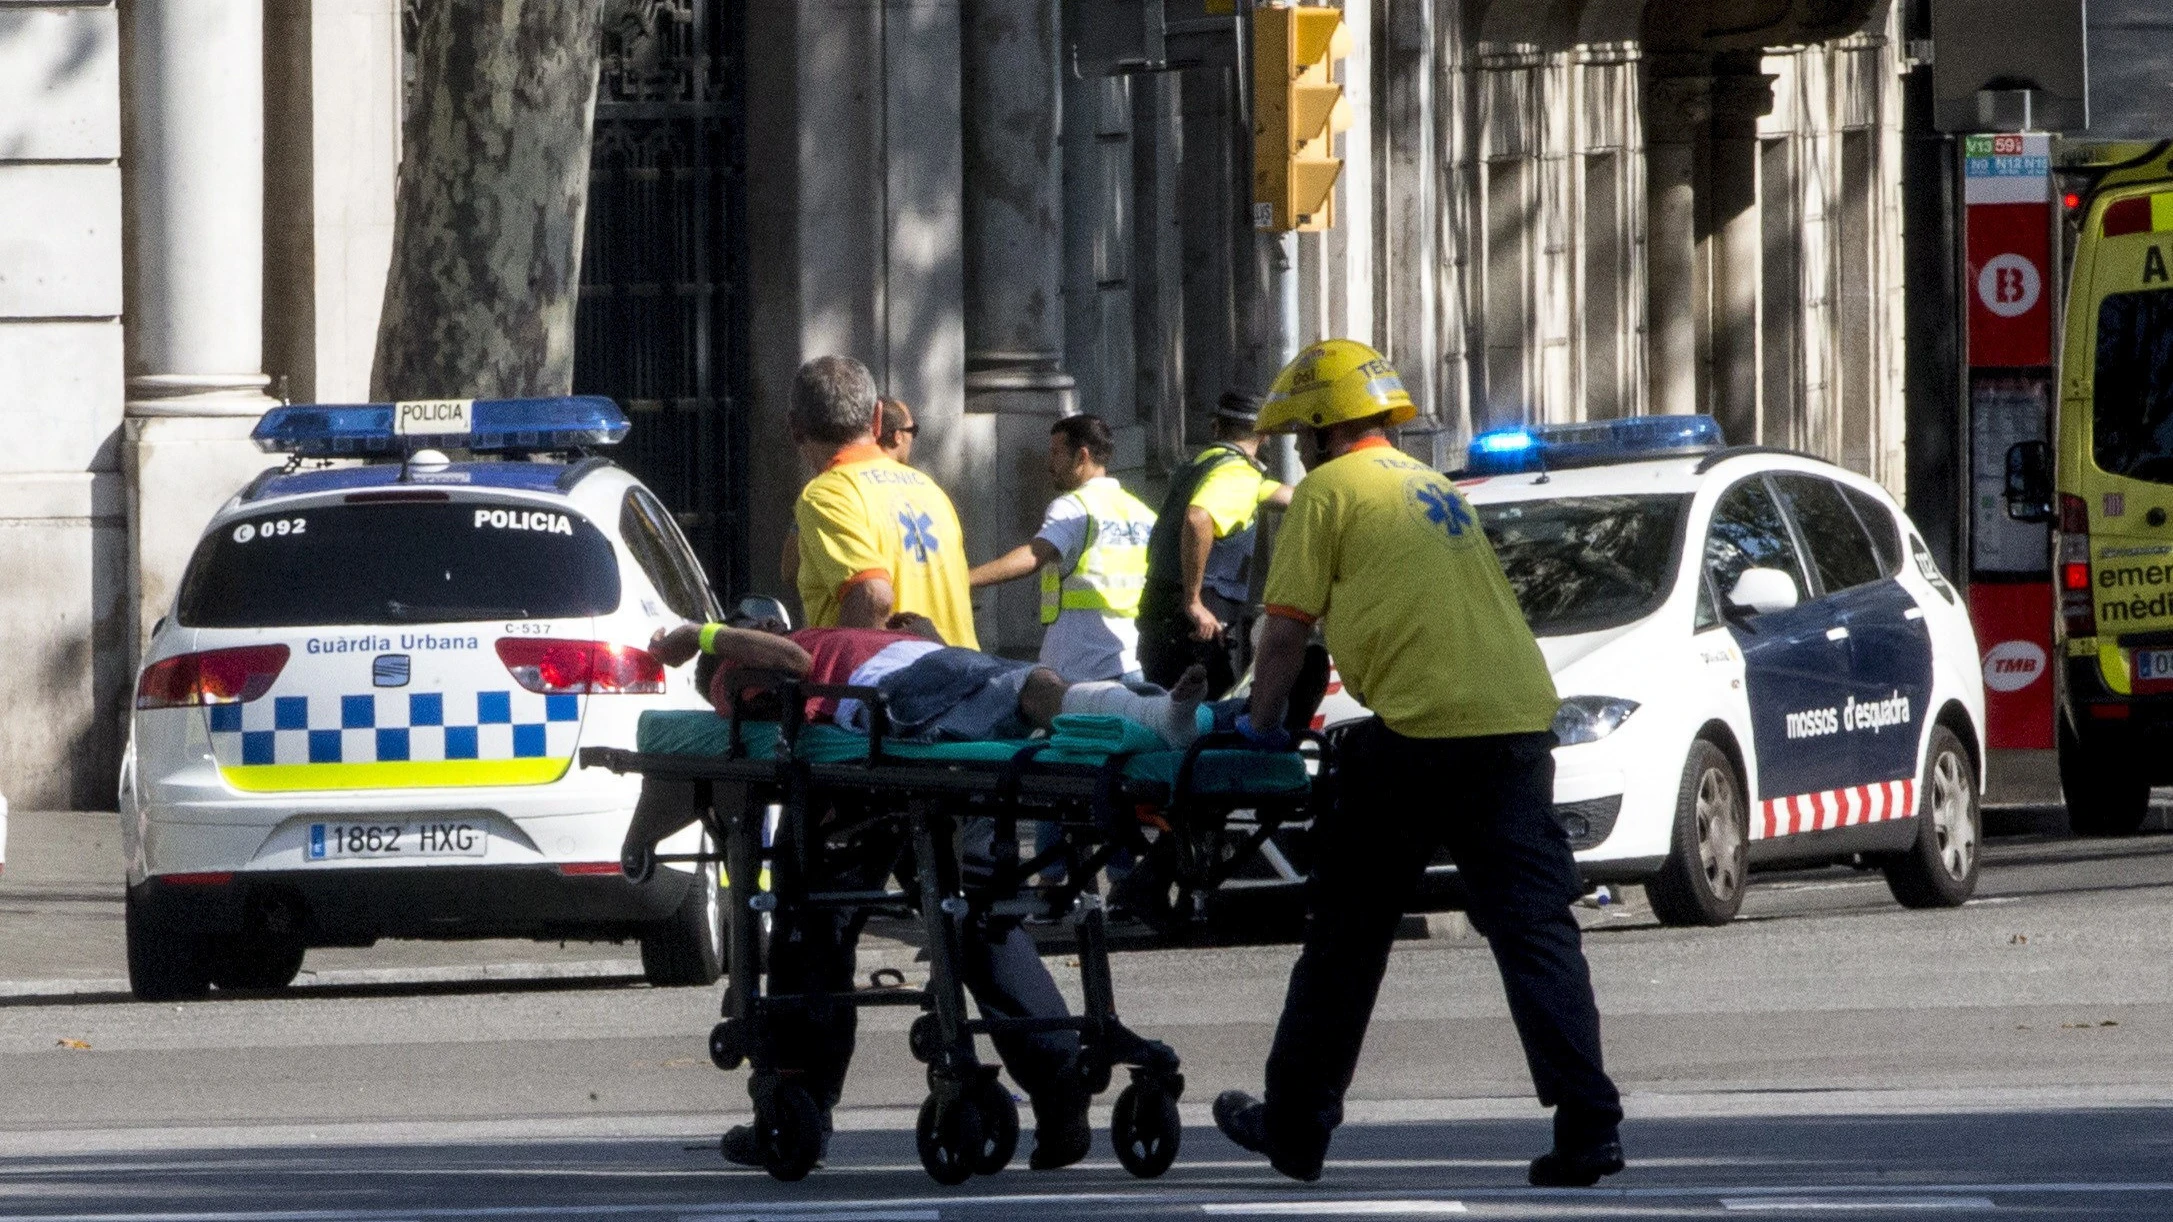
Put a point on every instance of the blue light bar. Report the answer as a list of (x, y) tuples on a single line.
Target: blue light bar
[(1541, 447), (364, 430)]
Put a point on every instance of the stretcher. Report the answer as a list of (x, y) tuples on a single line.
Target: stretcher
[(776, 796)]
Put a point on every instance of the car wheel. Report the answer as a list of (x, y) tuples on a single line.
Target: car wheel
[(165, 963), (1702, 881), (254, 961), (1939, 870), (2107, 795), (687, 947)]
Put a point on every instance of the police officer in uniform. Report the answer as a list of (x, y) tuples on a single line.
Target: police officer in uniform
[(1386, 557), (1199, 560), (1091, 551)]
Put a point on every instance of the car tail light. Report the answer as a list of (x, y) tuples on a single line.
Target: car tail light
[(557, 668), (575, 869), (2078, 613), (220, 676)]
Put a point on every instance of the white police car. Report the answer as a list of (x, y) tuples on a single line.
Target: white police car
[(360, 718), (1759, 661)]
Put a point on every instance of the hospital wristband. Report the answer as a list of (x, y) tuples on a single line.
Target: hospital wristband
[(709, 637)]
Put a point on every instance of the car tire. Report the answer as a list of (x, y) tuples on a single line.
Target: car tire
[(1939, 869), (1702, 881), (254, 962), (165, 963), (686, 949), (2107, 795)]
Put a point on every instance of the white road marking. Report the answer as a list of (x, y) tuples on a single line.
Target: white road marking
[(1867, 1205), (1340, 1209), (851, 1215)]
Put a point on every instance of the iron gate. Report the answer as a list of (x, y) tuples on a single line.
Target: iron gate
[(662, 321)]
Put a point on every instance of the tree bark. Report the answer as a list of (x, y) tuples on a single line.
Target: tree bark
[(486, 256)]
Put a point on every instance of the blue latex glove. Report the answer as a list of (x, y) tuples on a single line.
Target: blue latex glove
[(1273, 738)]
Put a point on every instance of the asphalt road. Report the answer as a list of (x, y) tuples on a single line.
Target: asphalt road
[(1827, 1053)]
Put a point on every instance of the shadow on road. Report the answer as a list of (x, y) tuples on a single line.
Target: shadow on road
[(2090, 1163)]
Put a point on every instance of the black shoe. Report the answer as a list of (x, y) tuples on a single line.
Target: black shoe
[(742, 1148), (1062, 1133), (1579, 1168), (1244, 1120)]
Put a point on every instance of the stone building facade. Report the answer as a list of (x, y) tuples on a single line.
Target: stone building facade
[(1011, 209)]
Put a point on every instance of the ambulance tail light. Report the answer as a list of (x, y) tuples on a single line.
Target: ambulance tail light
[(596, 668), (220, 676), (2078, 613)]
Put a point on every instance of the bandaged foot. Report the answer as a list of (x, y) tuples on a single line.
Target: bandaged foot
[(1175, 716)]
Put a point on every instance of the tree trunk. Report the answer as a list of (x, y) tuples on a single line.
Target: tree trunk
[(486, 255)]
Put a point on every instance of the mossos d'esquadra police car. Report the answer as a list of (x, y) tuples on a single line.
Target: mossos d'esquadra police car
[(1759, 661), (360, 717)]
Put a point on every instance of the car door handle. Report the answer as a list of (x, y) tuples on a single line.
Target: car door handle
[(1837, 634)]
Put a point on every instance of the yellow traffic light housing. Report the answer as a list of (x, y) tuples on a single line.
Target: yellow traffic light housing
[(1297, 109)]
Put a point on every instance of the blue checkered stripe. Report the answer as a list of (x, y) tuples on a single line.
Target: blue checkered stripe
[(379, 727)]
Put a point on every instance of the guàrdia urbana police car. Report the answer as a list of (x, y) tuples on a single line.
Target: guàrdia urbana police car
[(360, 717), (1759, 662)]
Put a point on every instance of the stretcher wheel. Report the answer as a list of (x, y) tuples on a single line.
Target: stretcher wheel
[(727, 1046), (1146, 1130), (949, 1139), (999, 1127), (790, 1128), (924, 1039)]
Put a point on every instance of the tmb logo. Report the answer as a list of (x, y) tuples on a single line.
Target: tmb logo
[(2011, 666)]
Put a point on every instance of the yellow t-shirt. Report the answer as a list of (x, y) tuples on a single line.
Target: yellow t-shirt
[(871, 516), (1421, 623)]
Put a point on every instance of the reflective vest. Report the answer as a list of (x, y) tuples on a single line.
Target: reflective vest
[(1112, 567)]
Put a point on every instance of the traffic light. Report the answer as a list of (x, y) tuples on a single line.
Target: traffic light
[(1297, 110)]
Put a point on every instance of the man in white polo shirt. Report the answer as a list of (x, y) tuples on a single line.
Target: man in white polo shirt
[(1091, 552)]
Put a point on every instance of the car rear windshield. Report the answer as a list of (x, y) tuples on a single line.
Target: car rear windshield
[(2132, 410), (1582, 564), (400, 562)]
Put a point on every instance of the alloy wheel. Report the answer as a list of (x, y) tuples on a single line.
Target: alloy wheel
[(1720, 834), (1952, 819)]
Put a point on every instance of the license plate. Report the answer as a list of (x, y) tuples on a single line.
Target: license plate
[(2154, 666), (338, 841)]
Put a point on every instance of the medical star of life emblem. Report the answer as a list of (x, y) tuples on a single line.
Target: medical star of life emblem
[(1438, 506), (917, 531)]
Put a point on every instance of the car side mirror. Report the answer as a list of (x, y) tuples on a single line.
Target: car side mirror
[(756, 608), (1763, 591), (2029, 481)]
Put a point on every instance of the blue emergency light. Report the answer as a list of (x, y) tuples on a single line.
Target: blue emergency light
[(364, 430), (1552, 446)]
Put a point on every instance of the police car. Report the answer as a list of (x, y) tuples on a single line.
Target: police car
[(1759, 662), (359, 718)]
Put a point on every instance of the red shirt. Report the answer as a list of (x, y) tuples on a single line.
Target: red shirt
[(834, 653)]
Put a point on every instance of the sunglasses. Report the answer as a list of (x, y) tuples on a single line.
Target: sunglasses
[(910, 430)]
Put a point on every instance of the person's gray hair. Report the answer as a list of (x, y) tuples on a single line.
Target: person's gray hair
[(833, 401)]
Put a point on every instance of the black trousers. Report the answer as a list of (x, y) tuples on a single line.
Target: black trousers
[(1167, 646), (1490, 802), (813, 951)]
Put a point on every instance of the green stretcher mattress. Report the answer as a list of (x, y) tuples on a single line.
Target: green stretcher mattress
[(700, 732)]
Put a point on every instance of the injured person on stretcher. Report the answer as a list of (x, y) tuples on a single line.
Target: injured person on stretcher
[(933, 692)]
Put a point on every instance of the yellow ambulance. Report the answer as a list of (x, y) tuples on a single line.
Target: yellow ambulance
[(2106, 487)]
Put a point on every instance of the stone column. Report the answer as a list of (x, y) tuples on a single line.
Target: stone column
[(1741, 96), (1011, 84), (193, 92), (1678, 104)]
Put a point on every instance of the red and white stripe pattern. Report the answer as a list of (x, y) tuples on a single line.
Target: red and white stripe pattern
[(1832, 808)]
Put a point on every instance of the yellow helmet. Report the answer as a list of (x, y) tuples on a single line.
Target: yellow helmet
[(1333, 381)]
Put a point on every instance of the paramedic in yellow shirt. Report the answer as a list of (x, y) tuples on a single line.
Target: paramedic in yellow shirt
[(1385, 556), (876, 536)]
